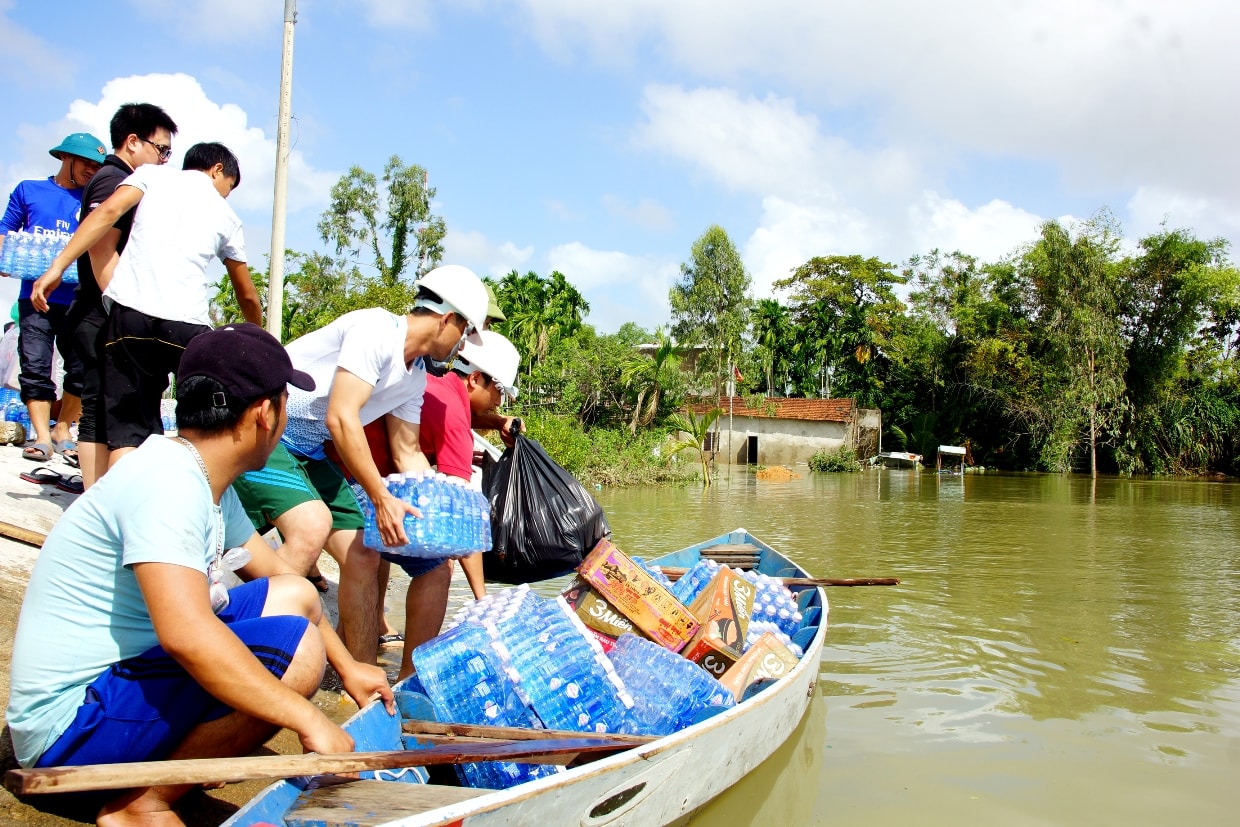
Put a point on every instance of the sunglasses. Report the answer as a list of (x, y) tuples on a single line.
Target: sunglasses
[(165, 151)]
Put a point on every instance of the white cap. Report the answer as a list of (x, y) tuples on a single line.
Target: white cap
[(461, 292), (496, 357)]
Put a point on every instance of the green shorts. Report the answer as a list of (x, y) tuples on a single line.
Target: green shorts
[(287, 481)]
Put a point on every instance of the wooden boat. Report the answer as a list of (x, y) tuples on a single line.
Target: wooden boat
[(653, 783)]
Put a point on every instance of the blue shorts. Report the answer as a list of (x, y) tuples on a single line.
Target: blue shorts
[(413, 566), (143, 707)]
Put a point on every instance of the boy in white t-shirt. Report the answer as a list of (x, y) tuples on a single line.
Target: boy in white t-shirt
[(159, 296)]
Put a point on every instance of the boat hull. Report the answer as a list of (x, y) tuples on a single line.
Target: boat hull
[(655, 784)]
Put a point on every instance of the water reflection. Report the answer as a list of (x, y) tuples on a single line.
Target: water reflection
[(1042, 620)]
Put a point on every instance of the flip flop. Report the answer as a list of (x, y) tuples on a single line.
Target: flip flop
[(39, 452), (41, 476), (67, 449), (319, 581), (384, 640), (71, 484)]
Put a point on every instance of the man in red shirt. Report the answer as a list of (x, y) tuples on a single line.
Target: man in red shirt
[(481, 377)]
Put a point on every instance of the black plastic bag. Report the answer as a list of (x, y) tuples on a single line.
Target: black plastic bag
[(543, 521)]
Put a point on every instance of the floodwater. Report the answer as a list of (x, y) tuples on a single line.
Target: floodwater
[(1059, 651)]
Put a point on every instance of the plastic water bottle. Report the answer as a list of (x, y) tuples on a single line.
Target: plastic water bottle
[(669, 692), (697, 578)]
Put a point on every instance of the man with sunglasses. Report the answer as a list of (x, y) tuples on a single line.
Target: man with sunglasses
[(141, 133), (366, 364)]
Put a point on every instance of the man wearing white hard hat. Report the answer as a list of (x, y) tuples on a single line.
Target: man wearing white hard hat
[(481, 378), (366, 364)]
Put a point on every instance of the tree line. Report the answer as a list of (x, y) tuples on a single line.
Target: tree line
[(1072, 353)]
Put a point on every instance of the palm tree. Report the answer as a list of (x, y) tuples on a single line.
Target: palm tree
[(645, 374), (771, 328), (697, 426)]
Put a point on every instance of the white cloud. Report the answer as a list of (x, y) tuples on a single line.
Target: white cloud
[(619, 287), (218, 20), (1206, 216), (792, 233), (486, 257), (646, 213), (989, 232)]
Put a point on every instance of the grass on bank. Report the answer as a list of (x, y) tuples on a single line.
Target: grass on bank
[(609, 456)]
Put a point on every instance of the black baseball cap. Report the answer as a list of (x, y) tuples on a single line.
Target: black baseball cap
[(248, 361)]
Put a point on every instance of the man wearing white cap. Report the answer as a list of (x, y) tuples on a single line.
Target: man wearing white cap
[(481, 378), (366, 364)]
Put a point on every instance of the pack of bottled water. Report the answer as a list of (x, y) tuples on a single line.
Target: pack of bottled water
[(456, 517), (559, 666), (758, 627), (470, 680), (654, 571), (669, 692), (774, 603), (28, 255), (688, 587), (15, 410)]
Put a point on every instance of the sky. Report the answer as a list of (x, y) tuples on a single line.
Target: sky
[(603, 139)]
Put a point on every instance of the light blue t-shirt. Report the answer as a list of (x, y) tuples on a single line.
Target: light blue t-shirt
[(83, 609)]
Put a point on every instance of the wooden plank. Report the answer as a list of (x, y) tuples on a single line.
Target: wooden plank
[(673, 573), (24, 535), (728, 548), (506, 733), (92, 777), (367, 803)]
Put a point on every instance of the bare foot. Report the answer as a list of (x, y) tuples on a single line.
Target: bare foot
[(116, 814)]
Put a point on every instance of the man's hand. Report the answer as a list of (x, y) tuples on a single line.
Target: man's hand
[(509, 429), (363, 681), (323, 737), (42, 288), (390, 519)]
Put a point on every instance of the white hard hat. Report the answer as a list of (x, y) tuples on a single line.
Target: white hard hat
[(496, 357), (461, 292)]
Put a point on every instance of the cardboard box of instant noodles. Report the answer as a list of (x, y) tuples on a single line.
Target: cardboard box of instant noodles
[(766, 659), (638, 596), (601, 619)]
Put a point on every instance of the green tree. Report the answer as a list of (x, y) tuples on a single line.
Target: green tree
[(646, 377), (697, 428), (386, 230), (540, 311), (772, 334), (710, 303), (1076, 286)]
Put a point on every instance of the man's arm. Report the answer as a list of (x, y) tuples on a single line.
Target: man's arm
[(247, 295), (178, 600), (405, 443), (493, 421), (360, 680), (344, 422), (89, 232)]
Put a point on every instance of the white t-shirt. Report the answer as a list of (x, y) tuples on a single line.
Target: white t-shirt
[(179, 228), (83, 610), (370, 344)]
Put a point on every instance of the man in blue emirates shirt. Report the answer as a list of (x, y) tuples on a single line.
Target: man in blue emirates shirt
[(51, 206)]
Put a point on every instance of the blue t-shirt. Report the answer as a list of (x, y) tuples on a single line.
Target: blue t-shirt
[(43, 206), (83, 609)]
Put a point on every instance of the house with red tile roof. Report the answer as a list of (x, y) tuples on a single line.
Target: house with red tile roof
[(781, 431)]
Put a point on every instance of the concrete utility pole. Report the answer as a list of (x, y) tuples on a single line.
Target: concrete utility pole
[(275, 280)]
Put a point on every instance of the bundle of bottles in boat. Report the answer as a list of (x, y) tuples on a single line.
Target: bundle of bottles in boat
[(28, 255), (591, 660), (456, 517)]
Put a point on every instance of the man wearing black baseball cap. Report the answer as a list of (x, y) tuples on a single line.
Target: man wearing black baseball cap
[(129, 646)]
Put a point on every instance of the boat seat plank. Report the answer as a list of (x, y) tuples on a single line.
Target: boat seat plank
[(725, 548), (365, 803)]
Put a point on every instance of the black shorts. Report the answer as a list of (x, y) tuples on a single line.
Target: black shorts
[(139, 351), (40, 335), (87, 319)]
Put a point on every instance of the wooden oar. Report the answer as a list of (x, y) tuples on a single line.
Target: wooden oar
[(434, 729), (24, 535), (227, 770), (676, 573)]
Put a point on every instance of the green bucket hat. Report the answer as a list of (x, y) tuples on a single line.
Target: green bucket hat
[(83, 145)]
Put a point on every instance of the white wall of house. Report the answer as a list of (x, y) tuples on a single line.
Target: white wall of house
[(780, 441)]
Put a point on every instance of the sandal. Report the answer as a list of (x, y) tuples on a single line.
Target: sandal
[(67, 449), (71, 484), (39, 452), (396, 637), (319, 581), (41, 476)]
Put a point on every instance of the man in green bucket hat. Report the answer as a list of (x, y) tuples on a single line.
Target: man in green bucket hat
[(50, 206)]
